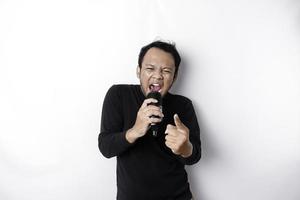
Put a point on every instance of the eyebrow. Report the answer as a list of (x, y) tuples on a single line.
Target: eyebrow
[(164, 67), (151, 65)]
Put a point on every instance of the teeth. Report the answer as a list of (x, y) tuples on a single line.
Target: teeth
[(155, 87)]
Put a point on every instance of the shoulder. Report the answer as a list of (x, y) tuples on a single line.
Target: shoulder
[(180, 103), (121, 88), (117, 87), (178, 98)]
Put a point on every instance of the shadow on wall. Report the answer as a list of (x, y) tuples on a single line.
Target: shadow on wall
[(209, 149), (182, 82), (294, 6)]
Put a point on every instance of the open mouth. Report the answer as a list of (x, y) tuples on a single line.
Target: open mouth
[(155, 87)]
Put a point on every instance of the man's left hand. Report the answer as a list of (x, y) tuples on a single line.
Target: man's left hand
[(177, 138)]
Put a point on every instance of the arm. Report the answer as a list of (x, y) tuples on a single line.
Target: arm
[(194, 135), (112, 140), (184, 138)]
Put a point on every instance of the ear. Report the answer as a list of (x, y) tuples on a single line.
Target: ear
[(138, 71), (175, 78)]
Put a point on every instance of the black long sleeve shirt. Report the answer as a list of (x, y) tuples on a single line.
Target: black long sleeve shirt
[(146, 169)]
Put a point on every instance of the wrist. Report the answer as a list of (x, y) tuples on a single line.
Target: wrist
[(131, 135), (188, 150)]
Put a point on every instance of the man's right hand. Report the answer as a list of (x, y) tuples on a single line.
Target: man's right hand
[(144, 120)]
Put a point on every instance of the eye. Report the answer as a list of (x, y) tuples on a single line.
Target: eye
[(167, 71), (149, 68)]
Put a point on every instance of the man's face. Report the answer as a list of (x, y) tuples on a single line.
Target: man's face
[(157, 71)]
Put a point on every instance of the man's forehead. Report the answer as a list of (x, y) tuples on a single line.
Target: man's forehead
[(156, 53)]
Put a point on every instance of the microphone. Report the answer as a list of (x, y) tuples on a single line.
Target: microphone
[(157, 96)]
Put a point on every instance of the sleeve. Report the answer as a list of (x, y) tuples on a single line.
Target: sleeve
[(111, 140), (190, 120)]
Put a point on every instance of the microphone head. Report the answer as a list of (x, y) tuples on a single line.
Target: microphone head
[(157, 96)]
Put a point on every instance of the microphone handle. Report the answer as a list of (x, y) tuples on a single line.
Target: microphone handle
[(157, 96), (154, 129)]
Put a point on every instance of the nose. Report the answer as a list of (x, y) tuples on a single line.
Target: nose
[(158, 74)]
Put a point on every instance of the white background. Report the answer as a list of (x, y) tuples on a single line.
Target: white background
[(240, 68)]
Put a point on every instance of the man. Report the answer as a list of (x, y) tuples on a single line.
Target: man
[(149, 167)]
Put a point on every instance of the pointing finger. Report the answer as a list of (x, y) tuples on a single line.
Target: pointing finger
[(177, 121)]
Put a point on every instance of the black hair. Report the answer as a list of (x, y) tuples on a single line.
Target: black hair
[(165, 46)]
